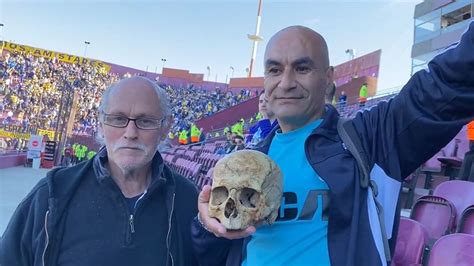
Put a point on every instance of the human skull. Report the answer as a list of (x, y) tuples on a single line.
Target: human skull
[(246, 189)]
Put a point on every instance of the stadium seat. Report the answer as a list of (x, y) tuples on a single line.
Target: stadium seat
[(206, 179), (195, 172), (453, 250), (411, 241), (436, 214), (451, 161), (409, 188), (466, 223), (210, 148), (460, 193), (450, 153), (190, 155), (430, 168)]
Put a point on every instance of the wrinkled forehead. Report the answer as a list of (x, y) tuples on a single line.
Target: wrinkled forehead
[(296, 43), (134, 96)]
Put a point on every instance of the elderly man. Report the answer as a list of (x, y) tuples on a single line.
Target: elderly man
[(123, 207), (327, 217)]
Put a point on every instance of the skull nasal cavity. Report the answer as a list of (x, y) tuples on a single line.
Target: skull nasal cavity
[(230, 209), (249, 198)]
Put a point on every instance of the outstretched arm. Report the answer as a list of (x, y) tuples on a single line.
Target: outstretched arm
[(432, 107)]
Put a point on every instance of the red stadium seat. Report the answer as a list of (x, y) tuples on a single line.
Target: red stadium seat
[(411, 241), (466, 224), (453, 250), (460, 193), (436, 214)]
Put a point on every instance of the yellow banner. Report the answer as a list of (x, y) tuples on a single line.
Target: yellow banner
[(14, 135), (43, 132), (13, 47)]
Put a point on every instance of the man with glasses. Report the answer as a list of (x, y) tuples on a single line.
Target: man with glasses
[(122, 207)]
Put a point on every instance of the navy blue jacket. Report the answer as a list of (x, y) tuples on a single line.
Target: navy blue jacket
[(397, 136), (79, 216), (265, 126)]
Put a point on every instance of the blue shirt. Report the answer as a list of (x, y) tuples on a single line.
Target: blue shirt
[(299, 235)]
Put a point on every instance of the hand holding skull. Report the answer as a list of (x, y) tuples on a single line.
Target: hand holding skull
[(246, 190), (213, 225)]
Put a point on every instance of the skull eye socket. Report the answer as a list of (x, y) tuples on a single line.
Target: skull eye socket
[(249, 198), (219, 195)]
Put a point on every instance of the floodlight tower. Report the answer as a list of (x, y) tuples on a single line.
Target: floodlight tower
[(255, 38)]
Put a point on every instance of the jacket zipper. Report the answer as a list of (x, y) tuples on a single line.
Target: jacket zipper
[(131, 218), (130, 221), (168, 236), (47, 236)]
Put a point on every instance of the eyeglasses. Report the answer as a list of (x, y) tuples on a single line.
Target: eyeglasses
[(122, 121)]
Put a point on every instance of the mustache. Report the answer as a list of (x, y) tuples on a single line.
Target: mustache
[(137, 146)]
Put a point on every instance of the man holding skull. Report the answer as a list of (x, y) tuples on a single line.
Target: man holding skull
[(326, 217)]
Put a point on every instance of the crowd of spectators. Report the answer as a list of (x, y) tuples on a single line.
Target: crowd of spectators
[(31, 90), (191, 104)]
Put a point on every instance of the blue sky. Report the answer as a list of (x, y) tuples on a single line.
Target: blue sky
[(194, 34)]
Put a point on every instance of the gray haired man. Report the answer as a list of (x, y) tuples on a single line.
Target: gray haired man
[(123, 207)]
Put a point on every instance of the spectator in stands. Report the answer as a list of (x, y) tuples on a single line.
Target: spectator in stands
[(171, 136), (395, 137), (264, 126), (342, 100), (226, 131), (467, 169), (239, 143), (238, 128), (363, 94), (230, 145), (124, 207), (228, 136), (3, 145), (183, 137), (202, 135), (195, 133), (91, 154), (75, 148), (470, 135), (81, 152), (67, 155)]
